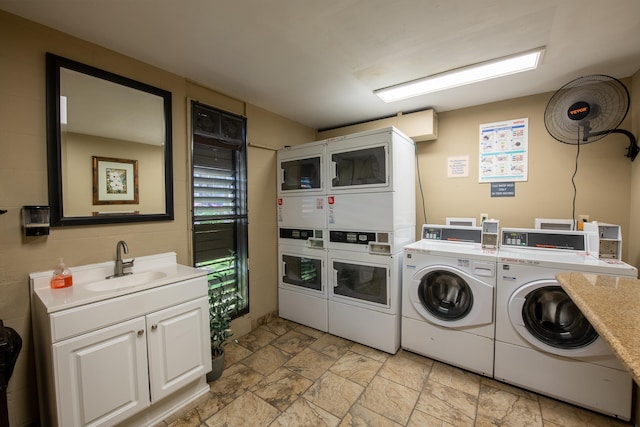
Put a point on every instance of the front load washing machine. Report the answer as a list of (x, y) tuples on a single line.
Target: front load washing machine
[(543, 342), (447, 297)]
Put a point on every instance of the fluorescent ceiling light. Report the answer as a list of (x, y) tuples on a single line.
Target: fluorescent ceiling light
[(511, 64)]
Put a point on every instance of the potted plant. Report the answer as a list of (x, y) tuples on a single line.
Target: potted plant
[(221, 277), (219, 330)]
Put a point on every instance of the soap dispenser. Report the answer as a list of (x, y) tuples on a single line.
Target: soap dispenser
[(62, 277)]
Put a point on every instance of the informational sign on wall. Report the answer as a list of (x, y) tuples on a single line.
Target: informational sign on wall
[(458, 166), (504, 151), (503, 189)]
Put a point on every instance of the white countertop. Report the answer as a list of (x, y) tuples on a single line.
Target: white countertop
[(78, 294)]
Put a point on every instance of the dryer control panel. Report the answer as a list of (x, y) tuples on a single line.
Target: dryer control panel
[(376, 242), (309, 237)]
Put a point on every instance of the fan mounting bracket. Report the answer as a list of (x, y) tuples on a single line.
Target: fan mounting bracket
[(632, 150)]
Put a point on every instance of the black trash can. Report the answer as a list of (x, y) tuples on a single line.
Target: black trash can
[(10, 345)]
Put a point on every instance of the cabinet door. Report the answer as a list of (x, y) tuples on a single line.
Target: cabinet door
[(102, 377), (179, 350)]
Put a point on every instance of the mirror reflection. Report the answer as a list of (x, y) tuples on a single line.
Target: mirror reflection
[(109, 143)]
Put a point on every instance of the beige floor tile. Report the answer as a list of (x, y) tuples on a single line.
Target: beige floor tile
[(309, 331), (453, 377), (420, 419), (360, 416), (482, 421), (371, 353), (288, 374), (503, 408), (279, 326), (310, 364), (447, 404), (257, 338), (331, 345), (390, 399), (407, 369), (281, 388), (234, 352), (333, 393), (215, 403), (304, 413), (266, 360), (508, 388), (186, 414), (190, 419), (247, 410), (356, 367), (232, 384), (293, 342)]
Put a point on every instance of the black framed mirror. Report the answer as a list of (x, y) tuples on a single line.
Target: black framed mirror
[(109, 147)]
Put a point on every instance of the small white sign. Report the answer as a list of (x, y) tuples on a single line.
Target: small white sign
[(458, 166)]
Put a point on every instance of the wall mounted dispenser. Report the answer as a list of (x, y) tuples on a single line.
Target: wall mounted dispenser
[(490, 233), (35, 220)]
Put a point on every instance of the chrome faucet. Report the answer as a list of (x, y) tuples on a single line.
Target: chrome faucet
[(121, 265)]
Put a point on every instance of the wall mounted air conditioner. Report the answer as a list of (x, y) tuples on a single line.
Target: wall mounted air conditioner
[(554, 224), (460, 222), (419, 126)]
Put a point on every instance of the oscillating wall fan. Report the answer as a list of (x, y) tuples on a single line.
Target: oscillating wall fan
[(588, 109)]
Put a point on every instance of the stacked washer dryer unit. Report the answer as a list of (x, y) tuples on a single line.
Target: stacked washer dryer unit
[(355, 217), (543, 341), (371, 217), (448, 286), (302, 223)]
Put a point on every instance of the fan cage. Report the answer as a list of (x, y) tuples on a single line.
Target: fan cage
[(608, 104)]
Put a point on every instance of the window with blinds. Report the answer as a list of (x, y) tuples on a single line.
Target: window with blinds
[(219, 181)]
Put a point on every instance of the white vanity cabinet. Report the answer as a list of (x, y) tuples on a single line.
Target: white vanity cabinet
[(110, 374), (102, 376), (175, 344), (129, 359)]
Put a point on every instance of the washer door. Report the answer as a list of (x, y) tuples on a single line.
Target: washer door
[(449, 297), (544, 315)]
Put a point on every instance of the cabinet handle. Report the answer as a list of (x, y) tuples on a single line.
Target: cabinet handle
[(154, 327), (141, 332)]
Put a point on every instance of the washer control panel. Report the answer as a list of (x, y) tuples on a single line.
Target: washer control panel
[(446, 233), (544, 239)]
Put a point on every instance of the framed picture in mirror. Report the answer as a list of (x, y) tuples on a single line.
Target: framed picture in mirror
[(115, 181)]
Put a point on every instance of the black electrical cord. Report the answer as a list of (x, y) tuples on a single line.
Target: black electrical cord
[(575, 190)]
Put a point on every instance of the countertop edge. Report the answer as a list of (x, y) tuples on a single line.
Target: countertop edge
[(570, 282)]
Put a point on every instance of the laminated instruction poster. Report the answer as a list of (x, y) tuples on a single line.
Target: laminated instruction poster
[(504, 151)]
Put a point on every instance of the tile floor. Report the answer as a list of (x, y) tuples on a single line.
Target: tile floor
[(286, 374)]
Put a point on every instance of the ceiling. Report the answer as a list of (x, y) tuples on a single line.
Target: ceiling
[(318, 62)]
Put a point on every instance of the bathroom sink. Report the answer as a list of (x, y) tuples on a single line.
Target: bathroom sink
[(127, 281)]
